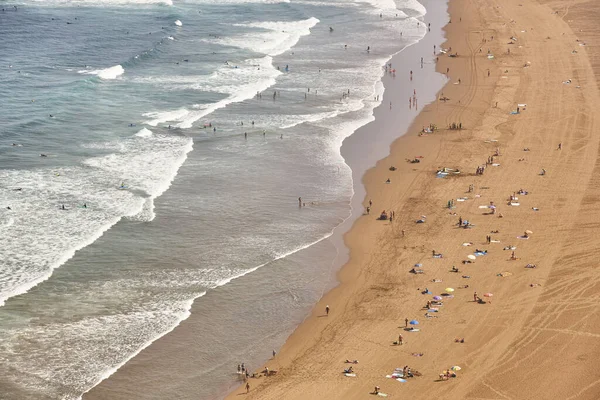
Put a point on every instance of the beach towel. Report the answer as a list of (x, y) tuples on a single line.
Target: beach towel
[(350, 375), (382, 394), (401, 380), (515, 204)]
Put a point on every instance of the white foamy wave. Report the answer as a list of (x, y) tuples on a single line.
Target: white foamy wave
[(144, 132), (165, 116), (42, 236), (414, 5), (103, 3), (107, 73), (242, 82), (275, 38), (382, 4)]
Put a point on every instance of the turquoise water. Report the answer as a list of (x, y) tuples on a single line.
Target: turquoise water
[(106, 104)]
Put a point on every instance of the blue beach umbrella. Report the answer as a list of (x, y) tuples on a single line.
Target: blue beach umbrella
[(414, 322)]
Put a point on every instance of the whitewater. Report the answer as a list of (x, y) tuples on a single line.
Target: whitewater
[(139, 159)]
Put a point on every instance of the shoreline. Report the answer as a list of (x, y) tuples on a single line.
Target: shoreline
[(376, 288), (107, 389)]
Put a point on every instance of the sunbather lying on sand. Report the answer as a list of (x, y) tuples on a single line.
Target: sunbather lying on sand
[(461, 340)]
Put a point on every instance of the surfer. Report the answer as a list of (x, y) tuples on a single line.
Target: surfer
[(62, 207), (84, 205), (43, 155), (330, 29)]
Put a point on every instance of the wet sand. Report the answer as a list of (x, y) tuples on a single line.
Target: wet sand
[(537, 336)]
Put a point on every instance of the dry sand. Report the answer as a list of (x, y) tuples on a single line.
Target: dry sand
[(530, 342)]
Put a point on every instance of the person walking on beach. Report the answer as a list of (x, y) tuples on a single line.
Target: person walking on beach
[(327, 310), (400, 340), (300, 202), (247, 387), (560, 146)]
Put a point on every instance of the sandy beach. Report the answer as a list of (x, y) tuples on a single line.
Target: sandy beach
[(523, 88)]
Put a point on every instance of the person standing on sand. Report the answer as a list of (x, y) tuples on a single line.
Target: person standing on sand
[(475, 297), (560, 146), (406, 322), (300, 202), (400, 340), (247, 387), (327, 310)]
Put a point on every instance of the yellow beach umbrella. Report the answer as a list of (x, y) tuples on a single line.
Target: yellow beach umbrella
[(449, 290)]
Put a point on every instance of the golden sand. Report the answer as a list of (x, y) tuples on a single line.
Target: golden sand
[(538, 338)]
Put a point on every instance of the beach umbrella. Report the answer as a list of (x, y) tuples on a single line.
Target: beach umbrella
[(437, 297), (528, 231), (488, 294), (418, 265), (456, 368), (449, 290), (471, 257), (432, 310), (414, 322)]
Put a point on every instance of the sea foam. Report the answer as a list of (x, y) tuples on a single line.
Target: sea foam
[(107, 73)]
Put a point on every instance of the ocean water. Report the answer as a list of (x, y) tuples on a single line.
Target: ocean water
[(240, 106)]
